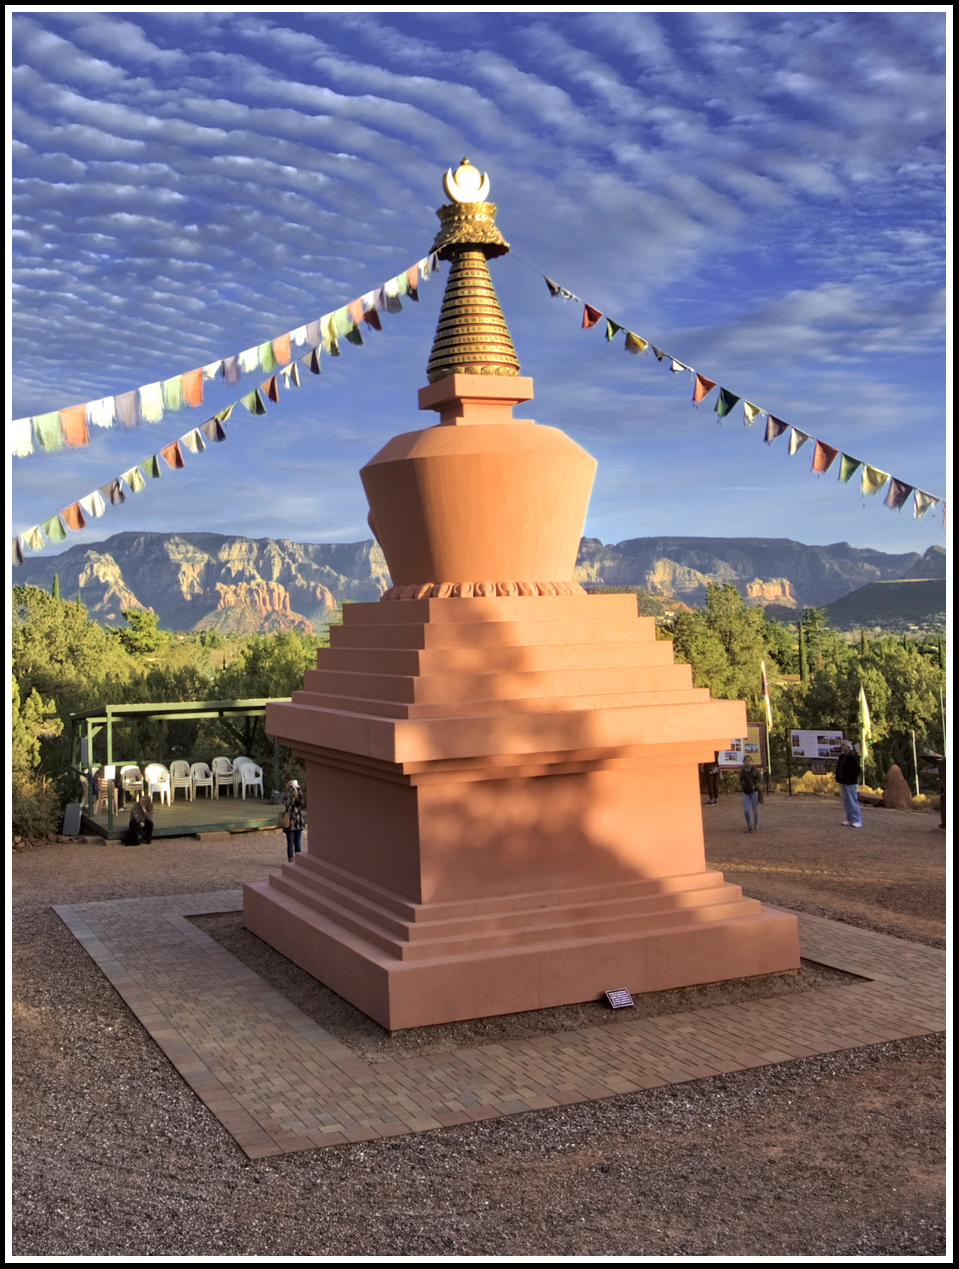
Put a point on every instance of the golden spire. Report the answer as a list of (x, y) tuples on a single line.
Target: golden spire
[(471, 337)]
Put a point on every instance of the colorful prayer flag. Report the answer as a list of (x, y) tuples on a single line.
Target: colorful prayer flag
[(290, 373), (264, 356), (33, 538), (658, 353), (212, 370), (248, 360), (328, 340), (231, 370), (313, 360), (372, 318), (151, 467), (21, 437), (634, 344), (213, 430), (676, 366), (313, 334), (270, 388), (353, 336), (823, 457), (254, 402), (897, 494), (151, 402), (192, 387), (54, 530), (134, 478), (413, 282), (702, 387), (298, 336), (865, 723), (281, 349), (611, 329), (797, 440), (590, 316), (73, 425), (173, 393), (391, 291), (101, 413), (872, 479), (193, 441), (774, 427), (16, 552), (922, 504), (355, 312), (72, 517), (172, 455), (765, 695), (751, 413), (848, 466), (113, 492), (126, 403), (46, 428), (554, 289), (93, 505), (221, 416), (725, 402)]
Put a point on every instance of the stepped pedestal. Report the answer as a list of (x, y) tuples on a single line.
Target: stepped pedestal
[(506, 813)]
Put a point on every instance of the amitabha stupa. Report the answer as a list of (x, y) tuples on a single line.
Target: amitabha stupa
[(502, 768)]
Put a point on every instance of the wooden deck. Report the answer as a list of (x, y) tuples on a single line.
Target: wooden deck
[(224, 814)]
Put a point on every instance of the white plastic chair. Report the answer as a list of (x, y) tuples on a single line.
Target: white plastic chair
[(238, 763), (251, 777), (180, 778), (201, 777), (157, 781), (222, 774), (132, 782)]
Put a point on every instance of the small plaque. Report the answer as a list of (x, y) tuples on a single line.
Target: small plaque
[(620, 998)]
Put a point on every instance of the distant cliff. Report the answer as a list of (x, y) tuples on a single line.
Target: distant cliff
[(764, 570), (200, 581)]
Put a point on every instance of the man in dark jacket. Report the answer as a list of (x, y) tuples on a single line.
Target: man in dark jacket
[(847, 777)]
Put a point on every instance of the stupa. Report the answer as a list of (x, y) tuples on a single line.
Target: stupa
[(501, 769)]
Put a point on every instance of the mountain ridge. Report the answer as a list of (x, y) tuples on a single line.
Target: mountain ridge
[(237, 584)]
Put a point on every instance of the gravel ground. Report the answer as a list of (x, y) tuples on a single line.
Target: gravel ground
[(828, 1156)]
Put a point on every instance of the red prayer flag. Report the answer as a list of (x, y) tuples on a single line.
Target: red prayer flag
[(191, 387), (372, 318), (702, 387), (823, 457), (173, 455), (73, 517), (590, 316), (269, 387), (73, 425), (355, 310), (281, 349), (413, 277)]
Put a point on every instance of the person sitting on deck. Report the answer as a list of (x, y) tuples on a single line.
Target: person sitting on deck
[(140, 828)]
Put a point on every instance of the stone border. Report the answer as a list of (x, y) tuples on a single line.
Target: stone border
[(278, 1082)]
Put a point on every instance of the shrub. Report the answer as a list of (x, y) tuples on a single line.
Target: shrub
[(36, 807)]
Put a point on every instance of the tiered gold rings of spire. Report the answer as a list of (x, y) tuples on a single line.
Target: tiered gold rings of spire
[(471, 336)]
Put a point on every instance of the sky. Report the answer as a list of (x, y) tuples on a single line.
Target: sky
[(761, 194)]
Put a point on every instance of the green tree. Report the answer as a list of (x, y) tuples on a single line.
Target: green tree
[(55, 588), (32, 720), (803, 657), (142, 635), (725, 643)]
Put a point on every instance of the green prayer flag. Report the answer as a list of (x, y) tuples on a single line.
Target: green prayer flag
[(54, 529), (254, 402), (611, 329), (872, 479), (342, 321), (353, 335), (47, 429), (225, 413), (848, 467), (151, 467), (265, 356), (172, 390), (134, 478), (725, 402)]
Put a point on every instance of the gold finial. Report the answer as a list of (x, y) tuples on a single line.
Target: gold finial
[(465, 185), (472, 336)]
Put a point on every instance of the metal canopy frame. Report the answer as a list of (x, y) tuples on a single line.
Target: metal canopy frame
[(88, 724)]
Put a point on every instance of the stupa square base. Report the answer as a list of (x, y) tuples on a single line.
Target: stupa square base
[(671, 946)]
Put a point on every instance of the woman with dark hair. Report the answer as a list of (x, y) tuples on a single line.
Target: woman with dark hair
[(749, 777), (293, 816)]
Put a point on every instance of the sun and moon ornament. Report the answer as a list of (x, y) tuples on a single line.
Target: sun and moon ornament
[(472, 336)]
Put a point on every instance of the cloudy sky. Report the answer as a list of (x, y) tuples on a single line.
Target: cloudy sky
[(761, 194)]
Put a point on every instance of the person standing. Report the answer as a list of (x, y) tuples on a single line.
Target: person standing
[(711, 771), (749, 777), (847, 777), (293, 813)]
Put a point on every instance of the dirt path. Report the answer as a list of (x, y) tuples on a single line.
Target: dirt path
[(840, 1155)]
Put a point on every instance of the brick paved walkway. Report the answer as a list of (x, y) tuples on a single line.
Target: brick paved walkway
[(278, 1082)]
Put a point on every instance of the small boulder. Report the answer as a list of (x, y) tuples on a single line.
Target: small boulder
[(896, 793)]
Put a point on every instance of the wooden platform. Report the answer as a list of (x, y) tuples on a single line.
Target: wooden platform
[(183, 818)]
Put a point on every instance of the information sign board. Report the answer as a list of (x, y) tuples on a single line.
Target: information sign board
[(619, 998), (816, 745), (753, 743)]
